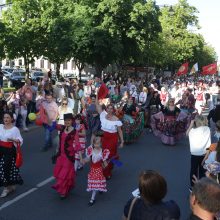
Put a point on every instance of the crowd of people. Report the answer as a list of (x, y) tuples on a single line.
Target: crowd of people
[(94, 119)]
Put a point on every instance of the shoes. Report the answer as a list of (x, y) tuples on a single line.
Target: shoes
[(108, 177), (5, 193), (62, 197), (91, 202), (80, 168)]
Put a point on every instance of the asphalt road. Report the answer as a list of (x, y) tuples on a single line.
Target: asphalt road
[(35, 200)]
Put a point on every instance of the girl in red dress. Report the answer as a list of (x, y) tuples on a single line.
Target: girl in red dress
[(98, 158), (80, 127), (64, 171)]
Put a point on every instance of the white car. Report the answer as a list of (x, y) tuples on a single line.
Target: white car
[(36, 75)]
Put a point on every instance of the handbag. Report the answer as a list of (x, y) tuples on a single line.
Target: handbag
[(131, 207), (19, 157)]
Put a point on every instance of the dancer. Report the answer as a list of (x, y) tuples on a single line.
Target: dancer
[(64, 171), (10, 138), (111, 126), (98, 158), (80, 127)]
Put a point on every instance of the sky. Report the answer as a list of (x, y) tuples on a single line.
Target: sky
[(209, 18)]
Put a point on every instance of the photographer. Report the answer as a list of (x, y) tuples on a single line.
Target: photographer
[(150, 205), (199, 140)]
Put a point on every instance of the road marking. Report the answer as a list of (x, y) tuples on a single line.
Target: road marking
[(45, 182), (21, 196)]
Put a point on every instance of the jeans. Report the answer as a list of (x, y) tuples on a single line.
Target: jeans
[(196, 167), (48, 138)]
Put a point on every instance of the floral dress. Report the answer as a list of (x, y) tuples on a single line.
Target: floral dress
[(96, 179)]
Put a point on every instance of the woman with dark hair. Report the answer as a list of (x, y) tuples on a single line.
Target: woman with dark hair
[(10, 139), (64, 170), (111, 126), (150, 205)]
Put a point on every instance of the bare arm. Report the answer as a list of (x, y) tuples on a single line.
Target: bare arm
[(121, 137), (98, 106), (190, 127)]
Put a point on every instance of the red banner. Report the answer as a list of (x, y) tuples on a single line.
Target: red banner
[(183, 69), (209, 69)]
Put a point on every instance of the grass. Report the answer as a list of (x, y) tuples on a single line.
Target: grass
[(9, 89)]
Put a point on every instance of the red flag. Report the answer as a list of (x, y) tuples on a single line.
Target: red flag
[(209, 69), (183, 69)]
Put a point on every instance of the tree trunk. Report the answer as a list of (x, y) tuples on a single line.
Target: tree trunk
[(98, 69), (80, 67), (26, 64), (58, 70)]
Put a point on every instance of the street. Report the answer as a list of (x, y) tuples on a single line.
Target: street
[(35, 199)]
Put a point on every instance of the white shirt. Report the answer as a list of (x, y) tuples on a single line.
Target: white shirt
[(107, 125), (199, 140), (12, 133), (143, 97)]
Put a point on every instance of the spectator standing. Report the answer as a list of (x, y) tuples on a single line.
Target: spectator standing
[(205, 199), (150, 205), (199, 140), (51, 111)]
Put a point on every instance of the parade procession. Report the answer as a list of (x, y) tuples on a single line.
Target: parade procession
[(109, 110)]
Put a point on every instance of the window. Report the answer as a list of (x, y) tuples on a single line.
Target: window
[(12, 63), (41, 63), (48, 65), (65, 65), (20, 62)]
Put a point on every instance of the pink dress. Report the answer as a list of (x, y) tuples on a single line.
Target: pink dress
[(64, 171), (82, 141), (96, 179)]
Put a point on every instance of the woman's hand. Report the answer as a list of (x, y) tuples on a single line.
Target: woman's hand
[(121, 144)]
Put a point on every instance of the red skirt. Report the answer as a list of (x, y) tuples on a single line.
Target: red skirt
[(110, 142)]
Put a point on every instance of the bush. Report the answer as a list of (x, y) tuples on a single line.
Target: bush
[(9, 89)]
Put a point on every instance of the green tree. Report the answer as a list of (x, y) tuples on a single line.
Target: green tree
[(2, 40), (57, 25), (23, 31)]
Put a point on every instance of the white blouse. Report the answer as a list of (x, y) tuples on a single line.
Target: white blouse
[(12, 133), (62, 113), (107, 125)]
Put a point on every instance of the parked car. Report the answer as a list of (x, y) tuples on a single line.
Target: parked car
[(17, 78), (85, 77), (36, 75), (6, 74)]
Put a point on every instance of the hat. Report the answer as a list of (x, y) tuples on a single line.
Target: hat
[(213, 168), (68, 116)]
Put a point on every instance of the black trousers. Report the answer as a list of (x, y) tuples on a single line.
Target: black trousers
[(196, 167)]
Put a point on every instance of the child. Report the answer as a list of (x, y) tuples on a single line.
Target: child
[(80, 127), (23, 112), (98, 158)]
